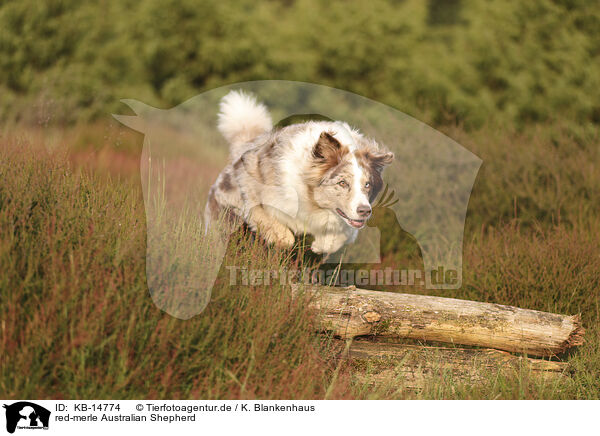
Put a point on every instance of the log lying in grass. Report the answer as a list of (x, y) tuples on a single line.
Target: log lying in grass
[(350, 312), (414, 365)]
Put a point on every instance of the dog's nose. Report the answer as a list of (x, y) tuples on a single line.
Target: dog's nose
[(363, 210)]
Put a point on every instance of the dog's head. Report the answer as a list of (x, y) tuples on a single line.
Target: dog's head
[(345, 174)]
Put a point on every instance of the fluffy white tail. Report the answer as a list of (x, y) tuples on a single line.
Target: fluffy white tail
[(241, 119)]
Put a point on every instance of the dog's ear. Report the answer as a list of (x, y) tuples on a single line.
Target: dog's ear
[(327, 149), (379, 159), (326, 154), (382, 159), (374, 159)]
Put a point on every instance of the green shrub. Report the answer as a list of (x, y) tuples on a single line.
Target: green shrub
[(470, 61)]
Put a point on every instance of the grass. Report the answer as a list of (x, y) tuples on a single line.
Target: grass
[(77, 321)]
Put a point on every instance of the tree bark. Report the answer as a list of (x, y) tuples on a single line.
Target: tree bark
[(351, 312), (414, 365)]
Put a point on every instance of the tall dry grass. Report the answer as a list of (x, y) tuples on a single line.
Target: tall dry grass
[(77, 321)]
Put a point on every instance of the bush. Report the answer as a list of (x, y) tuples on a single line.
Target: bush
[(466, 61)]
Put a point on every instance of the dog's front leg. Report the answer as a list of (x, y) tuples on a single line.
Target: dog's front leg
[(269, 228)]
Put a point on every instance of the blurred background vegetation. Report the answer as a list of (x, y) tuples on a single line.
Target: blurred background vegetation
[(466, 62)]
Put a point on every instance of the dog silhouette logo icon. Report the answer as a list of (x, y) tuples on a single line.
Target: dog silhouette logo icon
[(26, 415)]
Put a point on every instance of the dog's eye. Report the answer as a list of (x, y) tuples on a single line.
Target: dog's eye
[(367, 185), (343, 184)]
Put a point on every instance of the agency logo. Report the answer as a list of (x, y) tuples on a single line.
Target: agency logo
[(224, 149), (24, 415)]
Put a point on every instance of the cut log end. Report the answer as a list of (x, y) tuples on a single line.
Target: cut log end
[(576, 337)]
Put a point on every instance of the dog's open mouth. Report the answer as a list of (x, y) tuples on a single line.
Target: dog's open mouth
[(357, 224)]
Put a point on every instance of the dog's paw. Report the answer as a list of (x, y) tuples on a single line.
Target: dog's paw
[(316, 247), (327, 244), (281, 236)]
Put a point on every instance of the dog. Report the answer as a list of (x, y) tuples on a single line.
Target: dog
[(314, 177)]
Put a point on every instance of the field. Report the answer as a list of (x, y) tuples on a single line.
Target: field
[(77, 320), (516, 84)]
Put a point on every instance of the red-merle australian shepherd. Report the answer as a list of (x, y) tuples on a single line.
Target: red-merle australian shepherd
[(316, 177)]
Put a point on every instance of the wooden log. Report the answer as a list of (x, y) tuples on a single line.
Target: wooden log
[(413, 365), (351, 312)]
